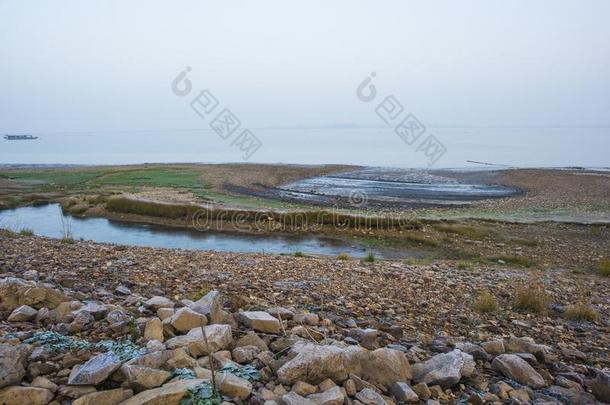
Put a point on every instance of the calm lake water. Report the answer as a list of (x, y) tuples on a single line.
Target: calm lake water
[(523, 147), (47, 221)]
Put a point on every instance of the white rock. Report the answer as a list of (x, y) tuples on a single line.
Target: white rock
[(445, 369)]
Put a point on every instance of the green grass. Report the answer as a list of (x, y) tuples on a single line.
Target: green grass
[(299, 254), (154, 178), (291, 220), (421, 261), (343, 256), (87, 179), (468, 231), (26, 232), (54, 178), (370, 258), (462, 265), (603, 268)]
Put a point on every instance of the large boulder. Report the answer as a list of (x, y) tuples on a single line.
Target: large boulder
[(142, 378), (94, 371), (252, 339), (157, 302), (232, 386), (515, 368), (383, 367), (525, 345), (445, 369), (15, 292), (168, 394), (315, 363), (16, 395), (209, 305), (154, 330), (12, 363), (106, 397), (185, 319), (219, 337), (22, 314), (260, 321)]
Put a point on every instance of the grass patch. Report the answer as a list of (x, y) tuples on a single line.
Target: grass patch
[(603, 268), (299, 254), (524, 242), (581, 312), (415, 238), (26, 232), (154, 178), (421, 261), (486, 303), (289, 221), (531, 298), (462, 265), (468, 231), (516, 260), (370, 258), (343, 256)]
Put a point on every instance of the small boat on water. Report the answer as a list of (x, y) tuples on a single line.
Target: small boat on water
[(20, 137)]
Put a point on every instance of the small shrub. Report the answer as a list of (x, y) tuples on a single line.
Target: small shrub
[(370, 257), (299, 254), (68, 240), (343, 256), (604, 268), (581, 312), (464, 266), (26, 232), (485, 303), (531, 298)]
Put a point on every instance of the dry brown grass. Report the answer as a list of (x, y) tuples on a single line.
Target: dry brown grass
[(486, 303), (581, 312), (531, 297)]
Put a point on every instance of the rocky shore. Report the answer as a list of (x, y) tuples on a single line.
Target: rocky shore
[(88, 323)]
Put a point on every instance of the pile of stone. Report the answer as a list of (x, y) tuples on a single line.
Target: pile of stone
[(279, 356)]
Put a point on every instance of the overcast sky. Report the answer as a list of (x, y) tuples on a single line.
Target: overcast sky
[(88, 66)]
